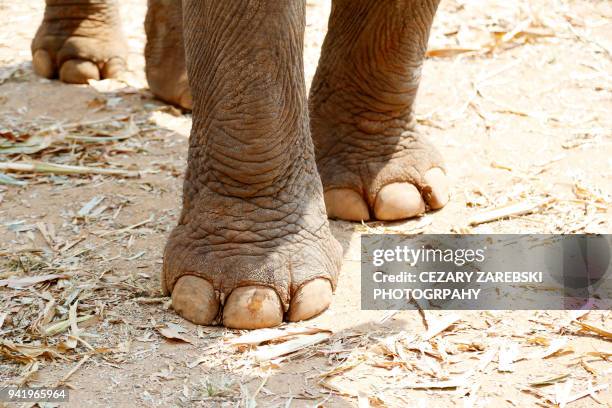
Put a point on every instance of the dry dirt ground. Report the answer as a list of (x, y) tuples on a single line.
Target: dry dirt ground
[(517, 95)]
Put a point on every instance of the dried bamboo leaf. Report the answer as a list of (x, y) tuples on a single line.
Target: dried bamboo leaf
[(487, 357), (197, 362), (508, 354), (45, 317), (29, 371), (263, 335), (440, 325), (590, 392), (25, 353), (11, 181), (363, 401), (605, 354), (63, 325), (522, 208), (340, 389), (549, 380), (594, 329), (269, 352), (556, 346), (72, 317), (3, 316), (31, 145), (52, 168), (90, 205), (453, 383), (31, 280), (562, 393), (347, 365), (172, 334), (449, 51)]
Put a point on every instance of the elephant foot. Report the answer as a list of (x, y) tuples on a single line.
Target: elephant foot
[(79, 40), (373, 162), (376, 176), (165, 53), (252, 246), (252, 263)]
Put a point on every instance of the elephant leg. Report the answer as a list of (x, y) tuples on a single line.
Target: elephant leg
[(79, 40), (252, 246), (165, 53), (372, 161)]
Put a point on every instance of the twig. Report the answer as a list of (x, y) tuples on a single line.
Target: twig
[(74, 370), (131, 227), (41, 167), (522, 208)]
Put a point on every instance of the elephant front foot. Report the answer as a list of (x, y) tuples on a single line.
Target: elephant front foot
[(79, 40), (251, 264), (252, 246), (165, 53), (379, 176)]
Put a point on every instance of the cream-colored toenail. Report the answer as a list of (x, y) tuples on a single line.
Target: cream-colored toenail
[(113, 68), (397, 201), (42, 64), (194, 299), (346, 204), (310, 300), (437, 192), (185, 101), (252, 307), (78, 71)]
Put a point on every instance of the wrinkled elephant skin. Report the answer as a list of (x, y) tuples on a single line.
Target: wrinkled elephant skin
[(266, 165)]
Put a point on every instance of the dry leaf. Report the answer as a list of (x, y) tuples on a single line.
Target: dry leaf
[(508, 354), (449, 52), (486, 358), (69, 344), (583, 394), (108, 85), (197, 362), (269, 352), (263, 335), (363, 401), (522, 208), (29, 371), (556, 346), (594, 329), (453, 383), (18, 283), (63, 325), (440, 325), (347, 365), (173, 334), (53, 168), (340, 389), (3, 316), (549, 380), (25, 354), (562, 393), (539, 340), (604, 354)]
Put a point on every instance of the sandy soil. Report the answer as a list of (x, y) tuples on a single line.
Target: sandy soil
[(518, 97)]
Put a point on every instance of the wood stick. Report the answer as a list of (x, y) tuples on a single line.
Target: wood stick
[(40, 167), (521, 208)]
